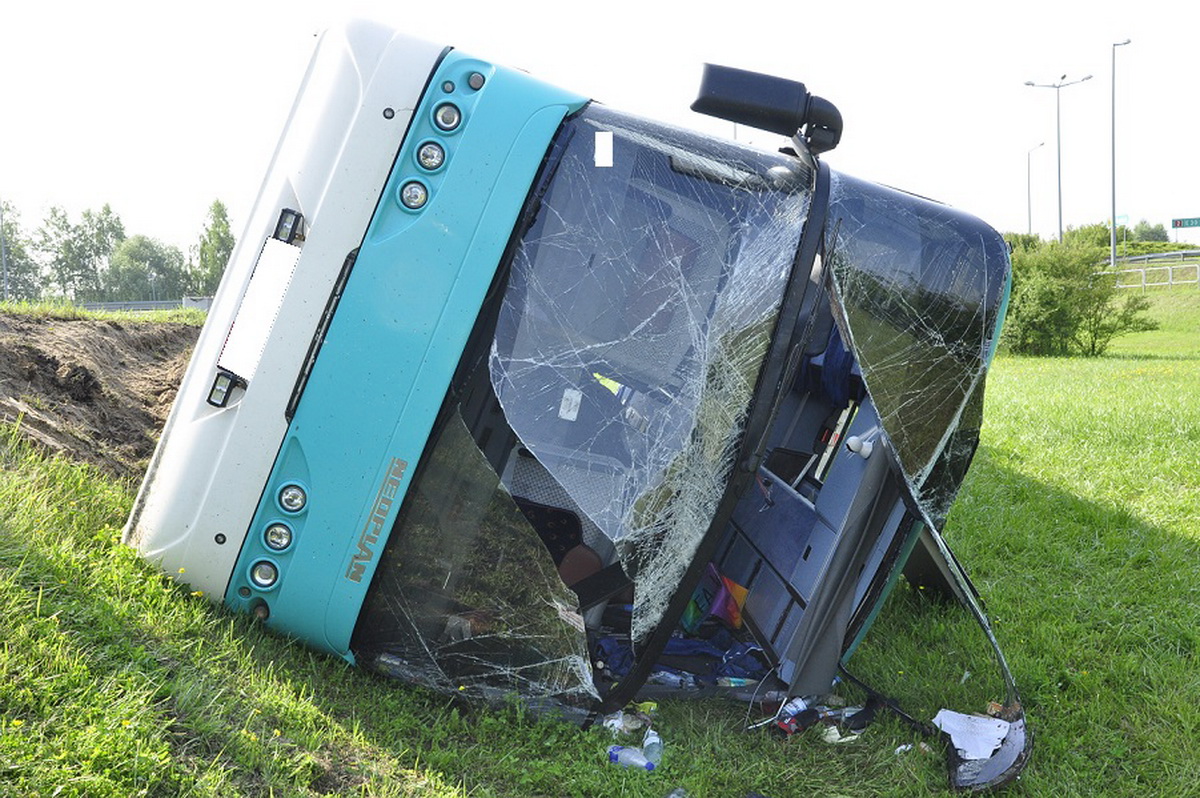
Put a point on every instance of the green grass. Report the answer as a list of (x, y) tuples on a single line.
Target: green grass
[(1177, 311), (67, 311), (1079, 523)]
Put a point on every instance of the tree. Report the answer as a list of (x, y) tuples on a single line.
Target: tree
[(144, 269), (1144, 231), (1061, 306), (77, 254), (1089, 235), (212, 253), (24, 279)]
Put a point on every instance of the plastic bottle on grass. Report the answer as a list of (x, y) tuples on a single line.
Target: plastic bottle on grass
[(652, 747), (629, 757)]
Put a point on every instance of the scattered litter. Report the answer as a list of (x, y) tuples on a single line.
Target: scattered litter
[(632, 719), (678, 792), (802, 713), (685, 681), (856, 719), (835, 735), (921, 747), (974, 736), (652, 747), (629, 757), (966, 675), (621, 722), (794, 724)]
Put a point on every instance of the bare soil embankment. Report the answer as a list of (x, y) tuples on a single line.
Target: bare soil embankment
[(96, 391)]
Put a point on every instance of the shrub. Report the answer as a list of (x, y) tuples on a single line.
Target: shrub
[(1061, 306)]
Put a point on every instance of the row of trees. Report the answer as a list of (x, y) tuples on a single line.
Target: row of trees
[(92, 259), (1061, 302)]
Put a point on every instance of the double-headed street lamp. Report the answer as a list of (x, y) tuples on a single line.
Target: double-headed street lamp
[(1112, 258), (1058, 86)]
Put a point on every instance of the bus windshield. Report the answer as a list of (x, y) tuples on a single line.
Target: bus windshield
[(638, 310)]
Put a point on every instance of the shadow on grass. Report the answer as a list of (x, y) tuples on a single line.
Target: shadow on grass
[(1097, 614)]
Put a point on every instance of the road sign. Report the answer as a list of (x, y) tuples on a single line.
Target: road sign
[(1185, 222)]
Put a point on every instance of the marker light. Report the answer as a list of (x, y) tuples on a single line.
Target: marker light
[(414, 195), (264, 574), (431, 155), (218, 395), (289, 227), (293, 498), (278, 537), (447, 116)]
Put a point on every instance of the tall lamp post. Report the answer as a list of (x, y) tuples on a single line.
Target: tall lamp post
[(1112, 259), (1060, 84), (1029, 186)]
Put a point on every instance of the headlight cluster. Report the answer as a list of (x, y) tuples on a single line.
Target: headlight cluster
[(431, 154), (277, 539)]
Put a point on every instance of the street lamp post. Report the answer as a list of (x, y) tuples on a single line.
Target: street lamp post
[(1058, 86), (1029, 185), (1112, 258)]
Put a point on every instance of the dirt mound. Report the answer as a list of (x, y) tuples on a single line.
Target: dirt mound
[(97, 391)]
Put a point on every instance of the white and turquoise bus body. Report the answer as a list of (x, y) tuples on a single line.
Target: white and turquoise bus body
[(497, 375)]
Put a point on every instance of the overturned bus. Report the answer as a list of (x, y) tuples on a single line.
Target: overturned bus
[(507, 392)]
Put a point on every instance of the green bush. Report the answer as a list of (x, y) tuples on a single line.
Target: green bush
[(1061, 306)]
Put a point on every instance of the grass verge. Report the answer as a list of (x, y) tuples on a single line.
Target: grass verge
[(1078, 523), (67, 311)]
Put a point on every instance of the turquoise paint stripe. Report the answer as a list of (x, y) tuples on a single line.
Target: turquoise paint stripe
[(1004, 300), (392, 348)]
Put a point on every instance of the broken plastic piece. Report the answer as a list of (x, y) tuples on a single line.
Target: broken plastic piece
[(974, 736)]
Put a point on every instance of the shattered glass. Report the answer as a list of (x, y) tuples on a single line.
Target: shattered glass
[(638, 312), (466, 599), (920, 289), (920, 292)]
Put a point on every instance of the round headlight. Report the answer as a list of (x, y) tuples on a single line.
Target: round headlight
[(278, 537), (264, 574), (414, 195), (447, 116), (292, 498), (431, 155)]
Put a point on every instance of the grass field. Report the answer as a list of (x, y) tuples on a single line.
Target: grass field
[(1079, 523), (65, 310)]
